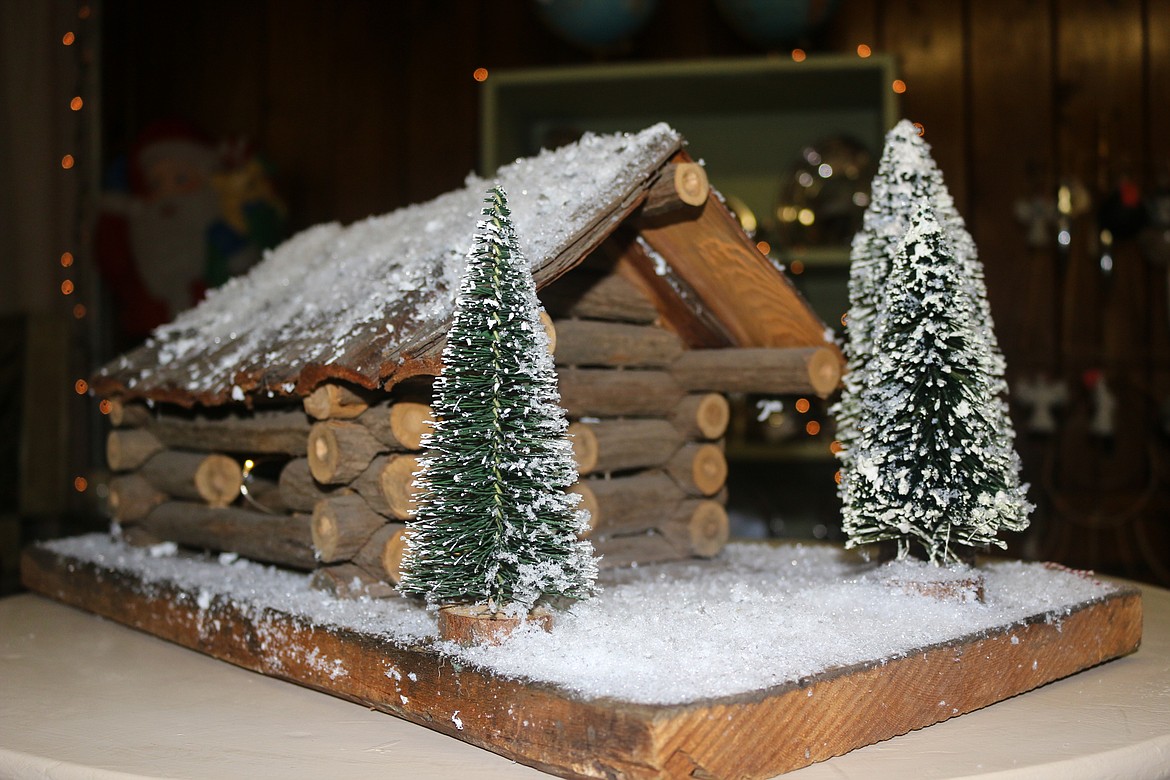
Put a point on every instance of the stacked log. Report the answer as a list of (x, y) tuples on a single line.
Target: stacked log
[(649, 452), (324, 487), (649, 417)]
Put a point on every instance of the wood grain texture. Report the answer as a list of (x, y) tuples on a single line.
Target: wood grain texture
[(399, 425), (754, 735), (129, 448), (341, 526), (381, 555), (673, 300), (333, 400), (702, 416), (793, 370), (274, 431), (602, 392), (621, 445), (214, 479), (132, 497), (340, 450), (281, 539), (614, 344), (299, 491), (752, 300)]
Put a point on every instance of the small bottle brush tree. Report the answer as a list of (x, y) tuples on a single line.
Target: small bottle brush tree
[(494, 524), (932, 465)]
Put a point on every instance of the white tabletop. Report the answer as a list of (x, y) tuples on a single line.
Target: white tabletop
[(81, 697)]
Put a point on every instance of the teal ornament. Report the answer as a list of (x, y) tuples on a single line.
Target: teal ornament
[(596, 24), (772, 23)]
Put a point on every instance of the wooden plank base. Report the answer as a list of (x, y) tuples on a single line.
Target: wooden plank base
[(753, 735)]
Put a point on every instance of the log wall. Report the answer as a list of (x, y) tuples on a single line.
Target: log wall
[(321, 488), (338, 473)]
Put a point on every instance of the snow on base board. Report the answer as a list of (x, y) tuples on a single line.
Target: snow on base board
[(672, 668)]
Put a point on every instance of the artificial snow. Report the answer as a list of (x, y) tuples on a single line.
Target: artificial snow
[(756, 616), (329, 293)]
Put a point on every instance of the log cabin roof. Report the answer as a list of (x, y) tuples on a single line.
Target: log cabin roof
[(370, 303)]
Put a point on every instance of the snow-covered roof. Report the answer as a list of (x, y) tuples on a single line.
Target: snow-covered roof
[(371, 301)]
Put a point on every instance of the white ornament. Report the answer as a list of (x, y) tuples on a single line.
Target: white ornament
[(1104, 410), (1043, 396)]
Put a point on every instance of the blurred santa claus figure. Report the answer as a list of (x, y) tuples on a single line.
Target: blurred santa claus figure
[(177, 225)]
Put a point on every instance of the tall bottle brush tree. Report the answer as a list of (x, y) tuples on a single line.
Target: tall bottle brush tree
[(906, 175), (494, 524), (932, 465), (908, 179)]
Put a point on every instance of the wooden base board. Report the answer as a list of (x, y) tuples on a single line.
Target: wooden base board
[(754, 735)]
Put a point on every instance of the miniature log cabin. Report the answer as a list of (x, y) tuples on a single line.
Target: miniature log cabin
[(282, 418)]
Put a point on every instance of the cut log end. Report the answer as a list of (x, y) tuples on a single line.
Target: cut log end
[(341, 526), (325, 532), (340, 450), (397, 485), (334, 401), (588, 504), (700, 469), (409, 422), (824, 372), (681, 186), (218, 480), (690, 183), (709, 469), (713, 415), (585, 448), (477, 624), (128, 414), (709, 528), (323, 453), (392, 553), (550, 330)]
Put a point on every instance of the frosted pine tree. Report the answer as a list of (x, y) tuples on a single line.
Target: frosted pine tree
[(932, 465), (494, 524), (907, 176)]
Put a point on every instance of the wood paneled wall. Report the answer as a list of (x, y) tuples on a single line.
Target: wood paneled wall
[(368, 105)]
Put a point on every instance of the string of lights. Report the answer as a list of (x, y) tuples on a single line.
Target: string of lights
[(78, 162)]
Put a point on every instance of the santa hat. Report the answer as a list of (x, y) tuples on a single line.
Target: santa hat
[(169, 139)]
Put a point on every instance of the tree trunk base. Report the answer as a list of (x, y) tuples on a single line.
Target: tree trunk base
[(946, 587), (477, 624)]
